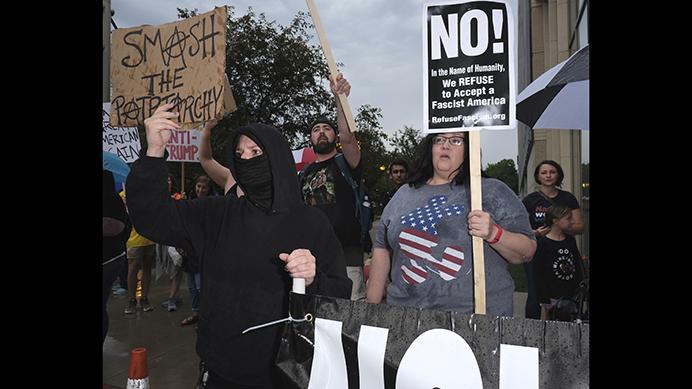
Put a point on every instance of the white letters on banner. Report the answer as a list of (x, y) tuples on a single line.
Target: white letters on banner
[(436, 358), (372, 342), (450, 37), (439, 359), (328, 362), (518, 367)]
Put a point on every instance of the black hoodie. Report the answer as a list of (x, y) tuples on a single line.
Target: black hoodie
[(243, 280)]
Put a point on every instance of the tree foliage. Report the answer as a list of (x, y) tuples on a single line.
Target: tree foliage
[(506, 171), (405, 142), (372, 140), (276, 75), (277, 78)]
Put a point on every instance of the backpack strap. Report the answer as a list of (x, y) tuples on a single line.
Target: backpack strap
[(346, 173), (345, 170)]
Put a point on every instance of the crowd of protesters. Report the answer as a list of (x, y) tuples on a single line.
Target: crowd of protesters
[(241, 250)]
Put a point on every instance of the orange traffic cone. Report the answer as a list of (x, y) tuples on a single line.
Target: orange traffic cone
[(138, 373)]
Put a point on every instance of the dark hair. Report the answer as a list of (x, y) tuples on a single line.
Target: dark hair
[(325, 120), (399, 162), (424, 167), (205, 180), (556, 211), (560, 173)]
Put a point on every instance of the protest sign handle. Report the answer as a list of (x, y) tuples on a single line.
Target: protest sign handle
[(330, 61), (298, 285), (477, 203), (182, 177)]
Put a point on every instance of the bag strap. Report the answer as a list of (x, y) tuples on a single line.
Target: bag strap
[(346, 173), (345, 170)]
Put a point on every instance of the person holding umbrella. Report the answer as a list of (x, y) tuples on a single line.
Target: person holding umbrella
[(424, 238), (249, 247), (548, 175)]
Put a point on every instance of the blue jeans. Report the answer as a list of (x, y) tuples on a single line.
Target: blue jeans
[(532, 310), (193, 286), (110, 273)]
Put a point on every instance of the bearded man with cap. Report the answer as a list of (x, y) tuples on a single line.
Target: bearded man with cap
[(249, 247), (323, 186)]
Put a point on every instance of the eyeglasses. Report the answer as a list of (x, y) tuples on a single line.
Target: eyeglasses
[(453, 140)]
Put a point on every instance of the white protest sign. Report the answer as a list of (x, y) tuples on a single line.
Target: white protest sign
[(121, 141), (184, 146)]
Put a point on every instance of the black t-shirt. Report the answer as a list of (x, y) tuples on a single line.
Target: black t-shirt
[(536, 205), (323, 186), (388, 196), (556, 268)]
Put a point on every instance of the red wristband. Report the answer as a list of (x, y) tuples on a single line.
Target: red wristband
[(497, 237)]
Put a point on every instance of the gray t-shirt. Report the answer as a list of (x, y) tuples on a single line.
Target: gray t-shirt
[(426, 231)]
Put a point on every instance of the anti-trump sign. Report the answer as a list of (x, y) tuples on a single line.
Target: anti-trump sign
[(184, 146), (469, 65), (181, 63)]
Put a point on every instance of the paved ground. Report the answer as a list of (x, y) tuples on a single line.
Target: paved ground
[(171, 357)]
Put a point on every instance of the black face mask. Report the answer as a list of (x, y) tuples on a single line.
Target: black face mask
[(255, 178)]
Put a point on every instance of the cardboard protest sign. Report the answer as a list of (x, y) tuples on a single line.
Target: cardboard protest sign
[(184, 146), (182, 63), (469, 65), (121, 141)]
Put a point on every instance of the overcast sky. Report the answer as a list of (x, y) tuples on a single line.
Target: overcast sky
[(378, 41)]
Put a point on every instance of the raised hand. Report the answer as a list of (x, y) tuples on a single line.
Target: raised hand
[(158, 127), (340, 85), (208, 126)]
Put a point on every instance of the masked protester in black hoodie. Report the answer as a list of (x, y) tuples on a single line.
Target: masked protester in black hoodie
[(249, 248)]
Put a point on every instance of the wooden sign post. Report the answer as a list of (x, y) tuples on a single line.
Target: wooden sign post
[(330, 62), (477, 203)]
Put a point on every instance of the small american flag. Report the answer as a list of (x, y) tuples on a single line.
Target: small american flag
[(418, 238)]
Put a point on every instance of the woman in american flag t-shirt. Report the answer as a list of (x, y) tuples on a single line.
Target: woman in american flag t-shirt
[(424, 236)]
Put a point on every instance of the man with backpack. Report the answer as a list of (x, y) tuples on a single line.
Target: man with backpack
[(333, 184)]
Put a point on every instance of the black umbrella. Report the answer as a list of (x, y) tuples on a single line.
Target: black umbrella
[(559, 98)]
